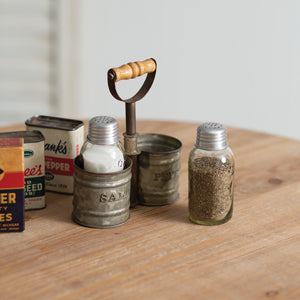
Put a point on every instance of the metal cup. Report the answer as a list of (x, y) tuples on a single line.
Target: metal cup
[(101, 200), (159, 168)]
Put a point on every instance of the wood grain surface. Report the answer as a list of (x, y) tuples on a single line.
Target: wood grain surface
[(159, 253)]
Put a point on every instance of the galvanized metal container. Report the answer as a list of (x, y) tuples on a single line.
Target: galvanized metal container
[(34, 167), (159, 168), (101, 200)]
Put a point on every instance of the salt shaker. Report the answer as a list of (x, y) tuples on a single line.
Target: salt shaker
[(211, 175), (102, 178), (102, 152)]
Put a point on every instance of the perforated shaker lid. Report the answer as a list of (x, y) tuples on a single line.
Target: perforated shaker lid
[(103, 130), (211, 136)]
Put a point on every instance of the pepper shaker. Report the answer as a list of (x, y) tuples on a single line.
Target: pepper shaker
[(211, 174)]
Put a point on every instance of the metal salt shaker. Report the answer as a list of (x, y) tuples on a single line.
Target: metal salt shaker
[(211, 173)]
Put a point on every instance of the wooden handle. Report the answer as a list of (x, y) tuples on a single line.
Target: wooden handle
[(135, 69)]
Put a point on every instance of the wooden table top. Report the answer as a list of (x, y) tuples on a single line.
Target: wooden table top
[(159, 253)]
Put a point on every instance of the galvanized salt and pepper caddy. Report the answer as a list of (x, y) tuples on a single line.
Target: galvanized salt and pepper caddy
[(156, 157), (152, 163)]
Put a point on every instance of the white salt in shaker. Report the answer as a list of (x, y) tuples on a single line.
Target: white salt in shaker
[(102, 152)]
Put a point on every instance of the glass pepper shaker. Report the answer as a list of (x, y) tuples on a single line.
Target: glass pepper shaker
[(211, 174), (102, 152)]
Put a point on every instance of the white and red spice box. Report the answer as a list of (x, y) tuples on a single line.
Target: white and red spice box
[(34, 166), (63, 141)]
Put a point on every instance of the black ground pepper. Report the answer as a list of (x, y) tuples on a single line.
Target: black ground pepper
[(211, 188)]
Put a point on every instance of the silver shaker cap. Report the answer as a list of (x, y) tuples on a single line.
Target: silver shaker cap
[(103, 130), (211, 136)]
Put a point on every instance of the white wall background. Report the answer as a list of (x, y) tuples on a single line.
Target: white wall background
[(27, 63), (233, 61)]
